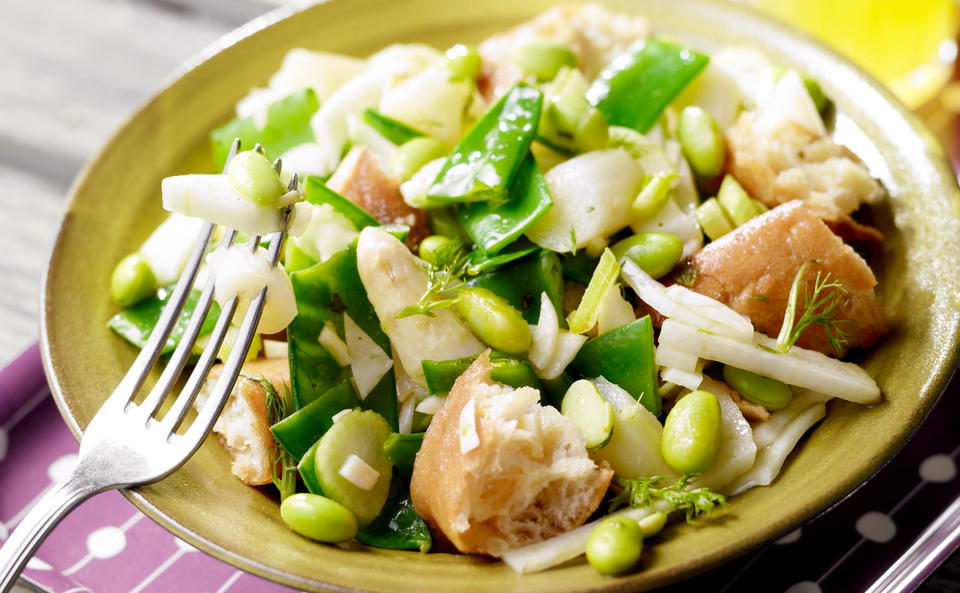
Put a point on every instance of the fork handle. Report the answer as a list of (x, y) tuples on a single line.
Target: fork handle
[(39, 521)]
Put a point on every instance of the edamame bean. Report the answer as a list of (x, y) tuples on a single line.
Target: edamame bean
[(430, 247), (493, 320), (132, 280), (614, 546), (543, 58), (318, 517), (771, 394), (414, 154), (655, 253), (252, 175), (691, 433), (702, 142), (463, 62), (651, 525)]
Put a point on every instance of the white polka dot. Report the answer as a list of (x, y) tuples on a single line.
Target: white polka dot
[(876, 527), (37, 564), (805, 587), (938, 468), (61, 468), (106, 542), (790, 538), (4, 443), (183, 545)]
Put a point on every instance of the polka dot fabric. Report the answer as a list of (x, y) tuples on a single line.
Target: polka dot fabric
[(107, 545)]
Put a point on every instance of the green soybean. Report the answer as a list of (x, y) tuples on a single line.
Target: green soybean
[(252, 175), (655, 253), (691, 433), (651, 525), (414, 154), (614, 546), (431, 246), (132, 280), (318, 517), (463, 62), (771, 394), (493, 320), (701, 142), (543, 58)]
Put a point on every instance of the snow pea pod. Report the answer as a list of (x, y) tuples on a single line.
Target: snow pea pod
[(521, 283), (481, 261), (301, 430), (317, 193), (396, 132), (638, 85), (484, 164), (515, 372), (624, 356), (493, 226), (308, 470), (287, 125), (135, 323)]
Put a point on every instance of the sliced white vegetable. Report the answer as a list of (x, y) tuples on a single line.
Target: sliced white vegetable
[(430, 102), (568, 345), (238, 272), (299, 220), (305, 159), (592, 194), (404, 59), (358, 472), (614, 310), (686, 306), (336, 417), (327, 233), (431, 405), (770, 459), (670, 218), (801, 367), (685, 193), (169, 245), (212, 197), (669, 357), (469, 438), (688, 379), (394, 280), (634, 447), (790, 103), (644, 149), (750, 70), (737, 451), (368, 362), (569, 545), (613, 393), (716, 92), (360, 132), (414, 190), (544, 335), (766, 432), (405, 416), (275, 349)]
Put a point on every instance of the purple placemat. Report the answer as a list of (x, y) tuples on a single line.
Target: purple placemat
[(108, 546)]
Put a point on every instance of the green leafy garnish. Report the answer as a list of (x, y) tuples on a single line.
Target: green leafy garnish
[(642, 492), (445, 276), (284, 466), (688, 276), (820, 307)]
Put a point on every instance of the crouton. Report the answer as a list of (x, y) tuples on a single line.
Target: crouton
[(497, 471), (242, 427), (593, 33), (361, 179), (752, 269), (793, 163)]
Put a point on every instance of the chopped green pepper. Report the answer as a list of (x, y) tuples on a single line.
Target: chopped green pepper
[(636, 87), (484, 164), (299, 431), (493, 226), (136, 323), (624, 356), (396, 132), (521, 283)]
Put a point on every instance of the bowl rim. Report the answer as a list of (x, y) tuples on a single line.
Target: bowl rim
[(944, 370)]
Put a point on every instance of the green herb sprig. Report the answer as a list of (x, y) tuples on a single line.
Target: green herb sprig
[(820, 307), (284, 467), (444, 276), (642, 492)]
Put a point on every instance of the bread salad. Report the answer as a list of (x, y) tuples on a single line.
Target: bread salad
[(538, 295)]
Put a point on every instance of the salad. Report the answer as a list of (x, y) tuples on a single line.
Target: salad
[(538, 297)]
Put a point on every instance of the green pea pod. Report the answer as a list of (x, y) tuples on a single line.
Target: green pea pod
[(287, 125), (637, 86), (553, 390), (521, 283), (301, 430), (136, 323), (396, 132), (401, 449), (515, 372), (494, 226), (624, 356), (481, 261), (317, 193), (484, 164), (308, 470), (324, 293), (398, 526)]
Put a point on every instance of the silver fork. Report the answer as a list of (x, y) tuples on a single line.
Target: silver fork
[(127, 444)]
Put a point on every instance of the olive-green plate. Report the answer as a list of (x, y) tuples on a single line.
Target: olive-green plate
[(116, 201)]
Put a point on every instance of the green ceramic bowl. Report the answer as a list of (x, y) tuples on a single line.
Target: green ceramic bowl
[(116, 202)]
